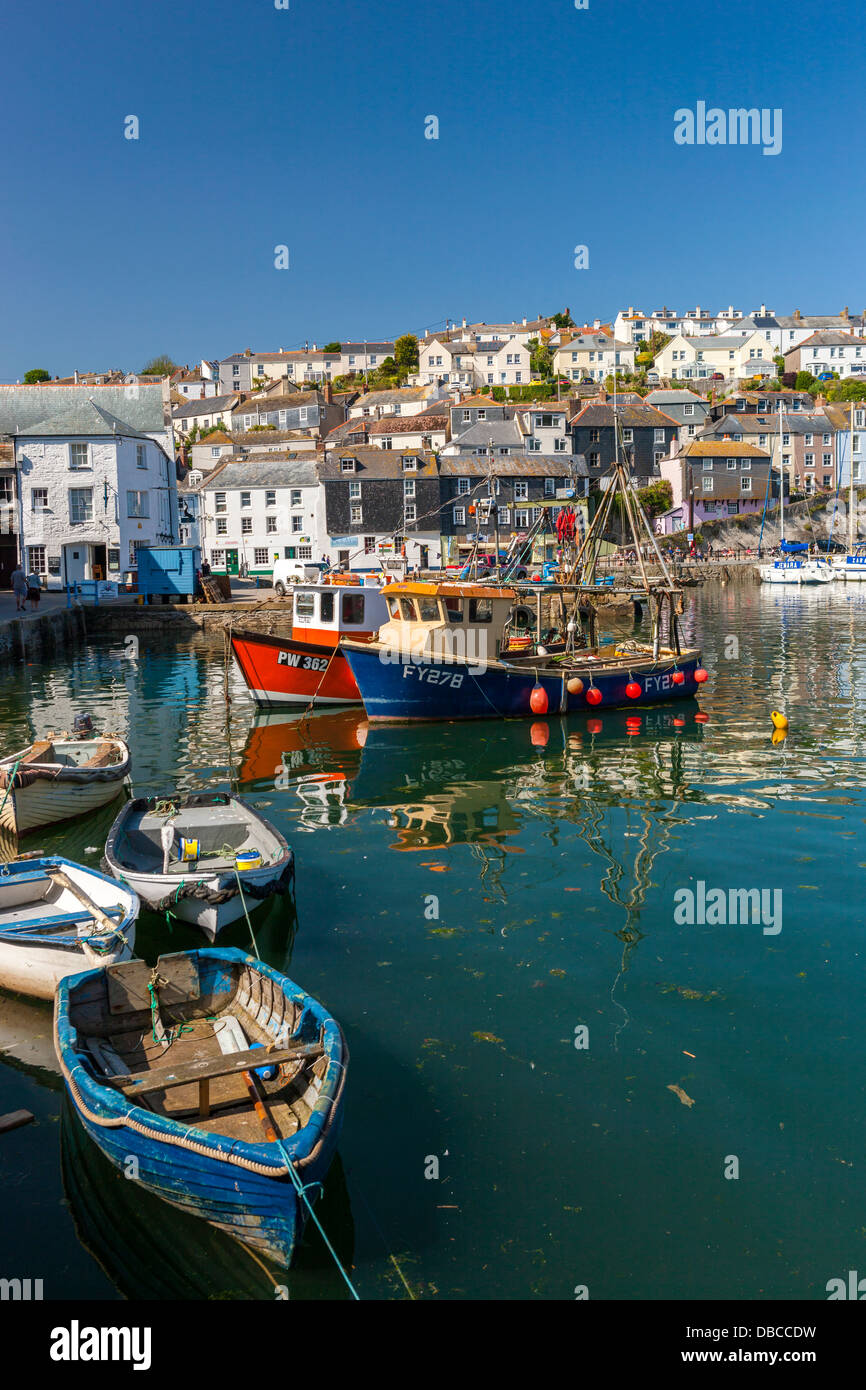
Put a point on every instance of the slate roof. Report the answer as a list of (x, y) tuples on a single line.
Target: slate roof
[(406, 424), (376, 463), (293, 470), (209, 406), (520, 465), (675, 398), (139, 407), (479, 435), (601, 414)]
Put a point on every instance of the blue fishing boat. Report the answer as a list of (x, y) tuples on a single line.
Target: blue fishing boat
[(214, 1081), (440, 656)]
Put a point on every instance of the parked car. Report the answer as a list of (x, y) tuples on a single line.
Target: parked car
[(288, 572)]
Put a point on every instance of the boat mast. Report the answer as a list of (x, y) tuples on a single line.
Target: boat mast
[(851, 481), (781, 479)]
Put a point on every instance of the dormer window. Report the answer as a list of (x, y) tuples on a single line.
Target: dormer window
[(410, 465), (347, 465)]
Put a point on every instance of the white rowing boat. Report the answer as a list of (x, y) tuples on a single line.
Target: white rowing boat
[(56, 779), (57, 919)]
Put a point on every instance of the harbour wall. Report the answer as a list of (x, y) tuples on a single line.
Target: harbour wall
[(42, 634)]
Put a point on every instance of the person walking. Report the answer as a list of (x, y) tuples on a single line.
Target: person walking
[(34, 590), (19, 588)]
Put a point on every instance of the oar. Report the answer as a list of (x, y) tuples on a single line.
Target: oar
[(65, 881), (264, 1117)]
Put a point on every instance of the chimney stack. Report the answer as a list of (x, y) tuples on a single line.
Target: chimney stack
[(796, 313), (844, 314), (328, 392)]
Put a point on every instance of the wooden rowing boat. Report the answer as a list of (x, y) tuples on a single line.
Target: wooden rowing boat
[(221, 1078), (55, 779)]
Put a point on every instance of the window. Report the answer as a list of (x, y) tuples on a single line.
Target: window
[(270, 525), (260, 555), (356, 515), (408, 487), (746, 463), (810, 460), (354, 490), (658, 436), (39, 499), (708, 463), (521, 491), (79, 456), (80, 505), (762, 440), (827, 460), (480, 610), (305, 605), (352, 608), (369, 545), (305, 552), (409, 512), (809, 439), (459, 516), (462, 486), (297, 524), (219, 501), (594, 459), (138, 504), (410, 464), (246, 526), (550, 487), (504, 516), (745, 484), (36, 555), (825, 439), (482, 415), (688, 410), (294, 497), (271, 499), (347, 465), (732, 463), (222, 526), (217, 558), (521, 518), (246, 499), (534, 446), (560, 446), (707, 484), (134, 547), (593, 436), (628, 436), (467, 416)]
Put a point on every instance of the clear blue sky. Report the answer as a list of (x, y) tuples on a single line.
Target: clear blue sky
[(305, 127)]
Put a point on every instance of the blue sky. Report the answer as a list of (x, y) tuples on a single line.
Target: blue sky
[(305, 127)]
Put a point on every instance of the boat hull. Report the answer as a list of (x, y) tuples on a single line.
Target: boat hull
[(210, 918), (46, 803), (442, 688), (282, 671), (38, 971), (260, 1209), (797, 572)]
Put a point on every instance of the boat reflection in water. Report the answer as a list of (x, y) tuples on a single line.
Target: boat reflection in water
[(27, 1039), (150, 1250), (316, 758)]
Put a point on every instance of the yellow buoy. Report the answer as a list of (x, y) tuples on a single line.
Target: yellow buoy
[(780, 721)]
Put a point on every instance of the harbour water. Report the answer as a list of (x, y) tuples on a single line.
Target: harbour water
[(490, 910)]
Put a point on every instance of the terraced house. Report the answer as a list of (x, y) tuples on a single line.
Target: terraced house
[(481, 493), (715, 478), (646, 435), (378, 501)]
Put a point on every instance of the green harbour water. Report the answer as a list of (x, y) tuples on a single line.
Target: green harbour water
[(472, 902)]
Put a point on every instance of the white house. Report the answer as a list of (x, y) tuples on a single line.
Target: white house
[(202, 414), (263, 509), (474, 363), (595, 356), (93, 488), (828, 351), (701, 357)]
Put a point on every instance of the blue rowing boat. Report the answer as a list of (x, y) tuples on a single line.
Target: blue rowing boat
[(214, 1081)]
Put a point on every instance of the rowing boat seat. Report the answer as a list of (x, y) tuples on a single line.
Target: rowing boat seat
[(103, 756), (42, 751)]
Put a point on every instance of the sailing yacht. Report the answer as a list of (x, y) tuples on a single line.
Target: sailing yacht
[(795, 565)]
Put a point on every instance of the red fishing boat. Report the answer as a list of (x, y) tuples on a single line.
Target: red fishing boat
[(306, 666)]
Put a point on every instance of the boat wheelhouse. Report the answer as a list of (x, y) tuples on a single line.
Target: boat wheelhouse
[(305, 666)]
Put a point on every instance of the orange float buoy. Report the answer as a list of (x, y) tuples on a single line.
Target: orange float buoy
[(701, 675), (633, 690), (539, 733), (701, 718), (677, 677), (594, 726), (593, 695), (574, 686), (679, 723), (538, 701)]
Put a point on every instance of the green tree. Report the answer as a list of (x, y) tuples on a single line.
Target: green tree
[(159, 366), (804, 382), (35, 375), (563, 320), (540, 361), (406, 352), (656, 341), (333, 347)]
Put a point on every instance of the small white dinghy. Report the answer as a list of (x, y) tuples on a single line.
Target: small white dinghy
[(56, 779), (204, 858), (57, 919)]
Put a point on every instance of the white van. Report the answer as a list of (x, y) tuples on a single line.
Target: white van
[(288, 572)]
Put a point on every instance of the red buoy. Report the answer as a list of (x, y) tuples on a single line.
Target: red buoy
[(538, 701), (539, 733), (701, 718), (701, 675), (593, 695), (594, 726), (679, 723), (633, 690), (677, 677)]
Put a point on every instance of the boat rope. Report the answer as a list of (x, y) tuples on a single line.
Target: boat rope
[(10, 783), (247, 915), (315, 694), (302, 1190)]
